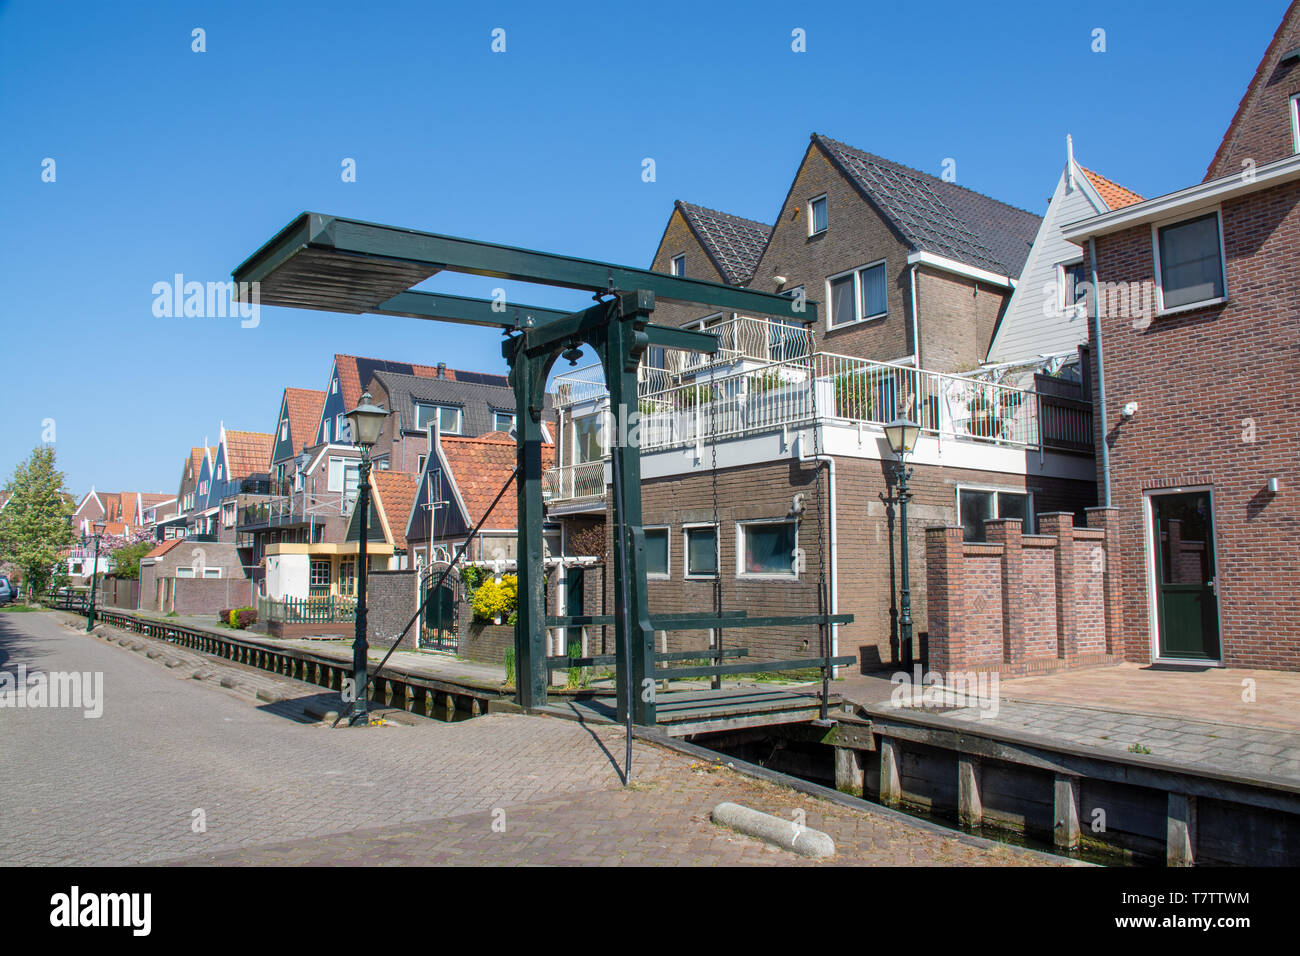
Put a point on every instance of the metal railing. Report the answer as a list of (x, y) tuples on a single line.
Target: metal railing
[(301, 506), (575, 482), (331, 609)]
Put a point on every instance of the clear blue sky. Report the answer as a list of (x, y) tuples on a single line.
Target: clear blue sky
[(173, 161)]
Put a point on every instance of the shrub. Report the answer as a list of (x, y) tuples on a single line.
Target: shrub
[(492, 600), (510, 665), (240, 617)]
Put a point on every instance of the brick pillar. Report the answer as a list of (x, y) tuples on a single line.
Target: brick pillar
[(1060, 524), (1006, 532), (1107, 520), (943, 598)]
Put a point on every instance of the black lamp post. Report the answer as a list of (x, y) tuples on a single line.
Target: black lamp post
[(366, 421), (94, 572), (902, 434)]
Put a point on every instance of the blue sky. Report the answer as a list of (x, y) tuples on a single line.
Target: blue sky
[(173, 161)]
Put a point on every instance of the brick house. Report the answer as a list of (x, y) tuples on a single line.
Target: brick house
[(194, 577), (783, 427), (1196, 342)]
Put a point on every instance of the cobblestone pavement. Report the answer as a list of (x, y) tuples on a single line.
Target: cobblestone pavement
[(124, 788)]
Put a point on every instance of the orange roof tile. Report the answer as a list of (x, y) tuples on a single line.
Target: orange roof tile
[(163, 548), (396, 493), (480, 466), (350, 376), (248, 452), (304, 406), (1112, 193)]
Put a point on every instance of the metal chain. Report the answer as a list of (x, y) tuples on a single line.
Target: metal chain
[(823, 629), (716, 683)]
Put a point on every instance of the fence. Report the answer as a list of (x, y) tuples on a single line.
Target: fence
[(331, 609), (570, 482)]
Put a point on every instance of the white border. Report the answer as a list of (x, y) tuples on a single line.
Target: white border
[(1161, 311), (686, 551), (809, 209), (1027, 492), (792, 577), (857, 296)]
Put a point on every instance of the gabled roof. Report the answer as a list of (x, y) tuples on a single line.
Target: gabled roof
[(164, 547), (476, 401), (304, 407), (394, 494), (1250, 100), (354, 373), (1112, 193), (197, 455), (734, 244), (939, 217), (247, 453)]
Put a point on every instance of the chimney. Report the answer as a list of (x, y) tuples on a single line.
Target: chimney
[(442, 370)]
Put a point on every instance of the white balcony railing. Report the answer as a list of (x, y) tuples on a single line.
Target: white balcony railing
[(575, 482)]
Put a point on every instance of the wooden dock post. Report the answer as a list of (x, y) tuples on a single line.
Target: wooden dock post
[(1180, 849), (1065, 816), (850, 775), (970, 808), (891, 786)]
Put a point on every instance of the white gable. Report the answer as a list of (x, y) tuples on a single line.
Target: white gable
[(1033, 323)]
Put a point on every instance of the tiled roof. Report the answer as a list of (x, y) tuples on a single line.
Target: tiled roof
[(196, 458), (304, 406), (734, 244), (477, 402), (939, 217), (1112, 193), (396, 493), (480, 466), (148, 498), (248, 453), (355, 372), (164, 547)]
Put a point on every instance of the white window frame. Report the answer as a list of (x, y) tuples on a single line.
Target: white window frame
[(460, 418), (792, 575), (1161, 311), (212, 572), (831, 324), (668, 541), (338, 427), (284, 430), (961, 486), (677, 265), (1064, 308), (420, 462), (185, 572), (343, 472), (686, 551), (812, 219), (513, 421), (1295, 123)]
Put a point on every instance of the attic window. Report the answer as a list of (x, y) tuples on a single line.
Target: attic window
[(1295, 123), (678, 265), (817, 216), (284, 431)]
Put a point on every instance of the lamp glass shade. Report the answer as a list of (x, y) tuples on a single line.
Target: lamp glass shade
[(99, 527), (367, 421), (902, 434)]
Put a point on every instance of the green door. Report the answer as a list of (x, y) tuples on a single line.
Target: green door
[(574, 590), (1186, 589)]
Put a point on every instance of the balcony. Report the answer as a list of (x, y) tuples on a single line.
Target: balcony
[(259, 512), (572, 484)]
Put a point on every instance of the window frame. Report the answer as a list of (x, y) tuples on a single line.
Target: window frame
[(812, 215), (668, 552), (831, 324), (677, 265), (687, 573), (1027, 493), (742, 539), (1295, 123), (1062, 306), (439, 408), (513, 421), (1161, 311)]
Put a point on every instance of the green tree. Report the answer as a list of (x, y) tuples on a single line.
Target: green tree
[(34, 525), (126, 559)]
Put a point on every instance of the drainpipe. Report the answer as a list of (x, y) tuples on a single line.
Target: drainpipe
[(1101, 376), (916, 328), (835, 551)]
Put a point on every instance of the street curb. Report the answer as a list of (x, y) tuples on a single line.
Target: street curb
[(787, 834)]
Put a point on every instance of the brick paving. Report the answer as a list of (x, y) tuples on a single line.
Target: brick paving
[(123, 788)]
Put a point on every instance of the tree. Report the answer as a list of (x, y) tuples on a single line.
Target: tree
[(34, 525), (126, 559)]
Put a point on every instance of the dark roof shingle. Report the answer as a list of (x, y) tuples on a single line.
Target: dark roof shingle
[(734, 244)]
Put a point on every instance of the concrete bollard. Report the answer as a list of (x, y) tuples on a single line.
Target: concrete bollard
[(786, 834)]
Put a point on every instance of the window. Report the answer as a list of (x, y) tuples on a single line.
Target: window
[(767, 548), (1189, 263), (212, 572), (1295, 123), (185, 572), (503, 421), (419, 463), (1072, 283), (656, 552), (817, 216), (977, 505), (448, 417), (678, 265), (347, 576), (857, 296), (284, 431), (701, 551), (344, 475), (325, 430), (587, 439), (220, 470), (320, 574), (342, 429)]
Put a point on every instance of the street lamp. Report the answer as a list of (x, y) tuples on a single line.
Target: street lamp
[(94, 571), (902, 434), (366, 422)]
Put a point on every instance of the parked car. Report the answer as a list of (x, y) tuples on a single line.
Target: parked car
[(7, 590)]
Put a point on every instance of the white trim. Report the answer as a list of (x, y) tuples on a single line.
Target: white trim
[(668, 540), (961, 269), (674, 269), (809, 210), (1295, 123), (1161, 311), (1153, 598), (858, 317), (686, 551), (791, 577), (1000, 489), (1185, 203)]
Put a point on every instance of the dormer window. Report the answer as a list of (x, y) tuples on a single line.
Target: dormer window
[(817, 216), (678, 265)]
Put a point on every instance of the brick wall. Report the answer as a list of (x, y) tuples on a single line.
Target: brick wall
[(867, 548), (958, 316), (1218, 408), (211, 595), (1021, 604)]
